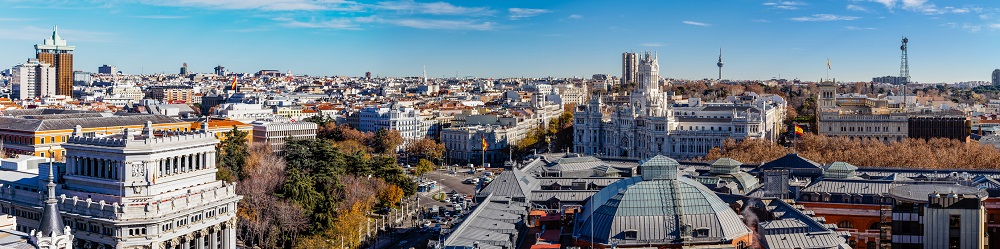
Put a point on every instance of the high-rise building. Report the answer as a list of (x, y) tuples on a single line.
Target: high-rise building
[(33, 79), (220, 70), (55, 52), (996, 77), (106, 69), (630, 67), (184, 69)]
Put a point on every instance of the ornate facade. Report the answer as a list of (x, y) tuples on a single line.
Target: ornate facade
[(649, 124), (138, 190)]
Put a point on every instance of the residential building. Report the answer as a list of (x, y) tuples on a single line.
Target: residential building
[(171, 94), (33, 80), (895, 80), (133, 93), (55, 52), (996, 77), (275, 133), (148, 189), (394, 116), (245, 113), (108, 70), (630, 67)]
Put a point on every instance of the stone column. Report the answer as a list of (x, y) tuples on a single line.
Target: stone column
[(213, 239), (187, 242), (201, 240), (230, 234)]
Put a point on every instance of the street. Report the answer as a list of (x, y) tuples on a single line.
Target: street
[(418, 238)]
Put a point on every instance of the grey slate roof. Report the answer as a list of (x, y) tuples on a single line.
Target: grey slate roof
[(562, 195), (510, 183), (491, 224), (791, 161), (794, 228), (862, 187), (23, 124)]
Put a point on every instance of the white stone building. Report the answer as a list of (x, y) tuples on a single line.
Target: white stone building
[(33, 80), (275, 133), (245, 113), (407, 120), (465, 144), (133, 190), (649, 125)]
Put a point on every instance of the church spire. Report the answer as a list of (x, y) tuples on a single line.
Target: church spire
[(51, 223)]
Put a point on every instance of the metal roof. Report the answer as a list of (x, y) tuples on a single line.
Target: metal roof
[(510, 183), (659, 206), (24, 124)]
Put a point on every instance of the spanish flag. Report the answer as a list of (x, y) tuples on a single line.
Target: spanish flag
[(233, 86), (484, 143), (798, 130), (827, 63)]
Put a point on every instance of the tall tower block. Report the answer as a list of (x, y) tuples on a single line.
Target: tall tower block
[(55, 52)]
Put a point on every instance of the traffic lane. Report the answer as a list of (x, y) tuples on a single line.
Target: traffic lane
[(454, 182), (416, 240)]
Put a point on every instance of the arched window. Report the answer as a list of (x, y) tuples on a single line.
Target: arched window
[(845, 224)]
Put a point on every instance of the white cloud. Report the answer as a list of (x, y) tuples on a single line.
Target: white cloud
[(888, 3), (971, 27), (160, 17), (15, 19), (435, 8), (785, 5), (575, 16), (443, 24), (759, 20), (858, 28), (824, 18), (856, 8), (272, 5), (995, 26), (338, 23), (519, 13), (696, 23), (652, 44)]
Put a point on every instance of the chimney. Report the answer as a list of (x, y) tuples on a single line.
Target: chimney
[(77, 131)]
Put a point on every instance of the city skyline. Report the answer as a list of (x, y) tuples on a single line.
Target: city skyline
[(949, 40)]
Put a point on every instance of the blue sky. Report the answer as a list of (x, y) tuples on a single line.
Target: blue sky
[(950, 40)]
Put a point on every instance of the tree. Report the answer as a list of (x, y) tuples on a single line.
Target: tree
[(426, 148), (233, 152), (391, 195), (386, 141), (423, 167)]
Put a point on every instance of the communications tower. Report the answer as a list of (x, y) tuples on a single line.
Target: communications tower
[(904, 71), (720, 64)]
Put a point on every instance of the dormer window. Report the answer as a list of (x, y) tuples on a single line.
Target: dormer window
[(631, 234), (701, 233)]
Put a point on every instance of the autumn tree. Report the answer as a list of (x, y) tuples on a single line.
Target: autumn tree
[(386, 141), (426, 148), (423, 167)]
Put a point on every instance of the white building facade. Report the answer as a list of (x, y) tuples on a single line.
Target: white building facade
[(137, 190), (275, 133), (33, 80), (407, 120), (650, 125)]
